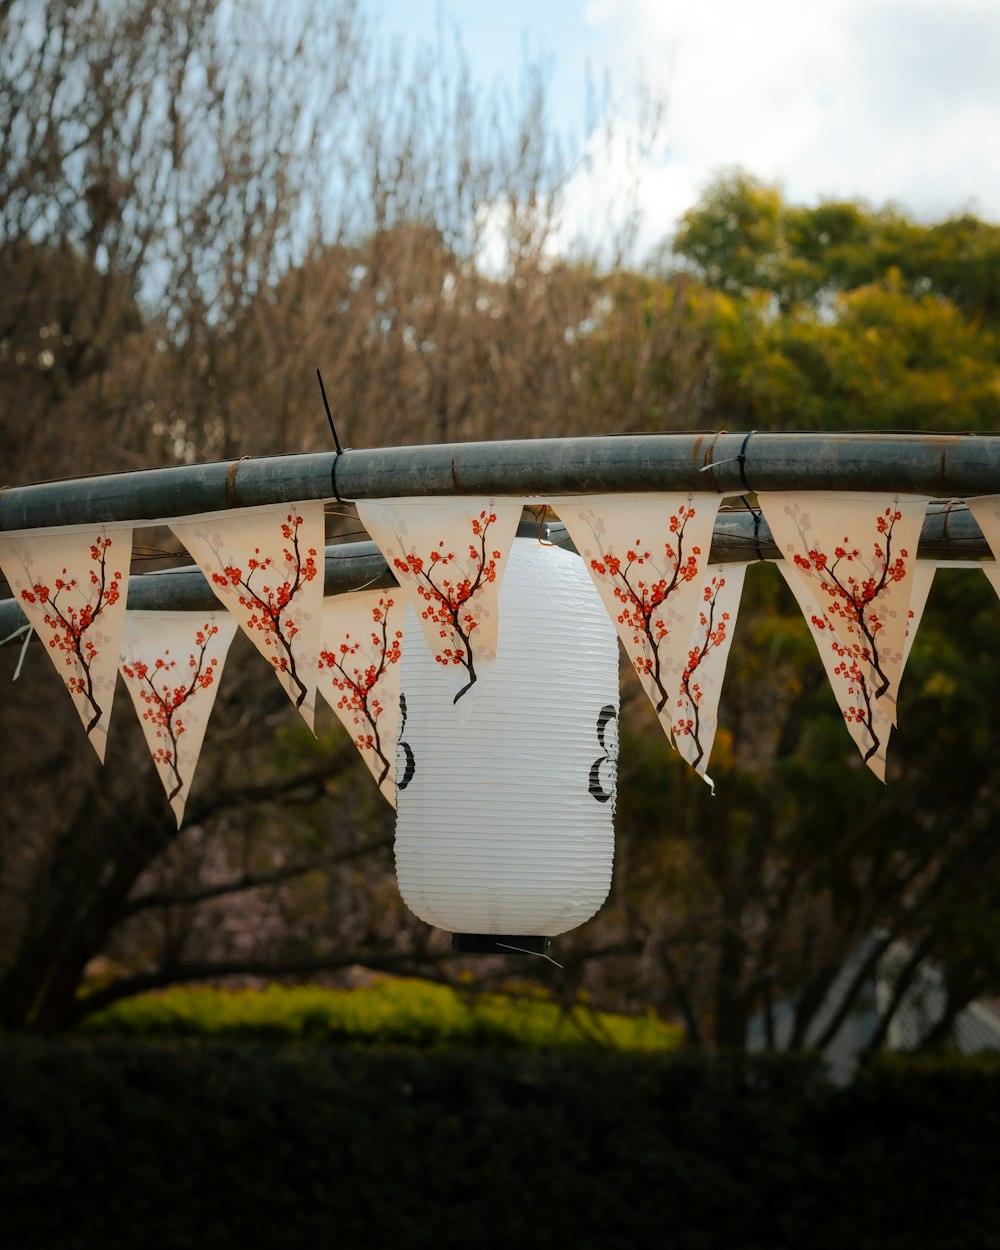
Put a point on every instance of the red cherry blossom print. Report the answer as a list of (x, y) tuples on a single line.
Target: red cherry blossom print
[(644, 595), (356, 675), (70, 625), (710, 633), (266, 595), (447, 584), (165, 686)]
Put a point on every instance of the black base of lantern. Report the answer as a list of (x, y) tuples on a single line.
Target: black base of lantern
[(497, 944)]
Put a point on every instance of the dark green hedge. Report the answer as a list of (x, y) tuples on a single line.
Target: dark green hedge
[(112, 1143)]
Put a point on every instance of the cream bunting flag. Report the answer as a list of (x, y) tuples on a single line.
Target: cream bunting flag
[(72, 584), (171, 663), (449, 556), (266, 566), (986, 510), (359, 675), (855, 555), (646, 554), (868, 720), (696, 711), (923, 575)]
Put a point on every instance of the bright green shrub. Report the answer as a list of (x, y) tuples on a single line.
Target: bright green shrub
[(389, 1012)]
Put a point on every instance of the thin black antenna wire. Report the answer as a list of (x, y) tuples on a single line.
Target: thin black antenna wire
[(329, 414)]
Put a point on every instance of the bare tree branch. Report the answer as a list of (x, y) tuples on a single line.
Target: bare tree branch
[(248, 881)]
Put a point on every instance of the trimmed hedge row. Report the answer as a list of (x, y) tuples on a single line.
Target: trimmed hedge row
[(390, 1011), (119, 1143)]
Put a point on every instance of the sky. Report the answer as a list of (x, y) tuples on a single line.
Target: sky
[(886, 101)]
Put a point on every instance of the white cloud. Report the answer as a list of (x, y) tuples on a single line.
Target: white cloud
[(884, 100), (599, 12), (880, 100)]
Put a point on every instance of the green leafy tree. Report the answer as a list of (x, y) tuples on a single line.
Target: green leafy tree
[(734, 238), (840, 317), (749, 904), (879, 359), (744, 238)]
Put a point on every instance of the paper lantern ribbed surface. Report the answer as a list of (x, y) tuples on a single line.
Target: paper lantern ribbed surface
[(505, 820)]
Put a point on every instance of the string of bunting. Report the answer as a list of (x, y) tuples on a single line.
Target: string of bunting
[(849, 560)]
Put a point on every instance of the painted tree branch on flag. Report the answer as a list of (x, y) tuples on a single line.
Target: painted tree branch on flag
[(449, 556), (448, 592), (72, 586), (263, 566), (853, 557), (696, 712), (171, 663), (267, 601), (165, 700), (359, 677), (646, 555)]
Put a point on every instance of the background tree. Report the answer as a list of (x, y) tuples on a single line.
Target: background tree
[(199, 204), (840, 316), (734, 906), (196, 211)]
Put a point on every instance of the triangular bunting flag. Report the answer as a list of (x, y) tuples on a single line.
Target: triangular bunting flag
[(868, 720), (359, 675), (72, 585), (696, 711), (855, 555), (986, 510), (449, 556), (171, 663), (266, 567), (647, 554), (923, 575)]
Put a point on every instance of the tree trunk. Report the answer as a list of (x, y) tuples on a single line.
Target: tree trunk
[(100, 856)]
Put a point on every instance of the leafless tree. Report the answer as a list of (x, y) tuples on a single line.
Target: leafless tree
[(199, 203)]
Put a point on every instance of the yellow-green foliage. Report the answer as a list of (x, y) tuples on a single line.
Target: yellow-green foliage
[(396, 1012)]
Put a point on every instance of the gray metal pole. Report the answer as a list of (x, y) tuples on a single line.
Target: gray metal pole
[(348, 566), (942, 466), (949, 533)]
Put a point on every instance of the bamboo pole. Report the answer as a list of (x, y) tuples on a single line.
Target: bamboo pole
[(941, 466)]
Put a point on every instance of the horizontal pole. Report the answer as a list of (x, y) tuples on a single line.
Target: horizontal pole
[(941, 466), (347, 567), (949, 533)]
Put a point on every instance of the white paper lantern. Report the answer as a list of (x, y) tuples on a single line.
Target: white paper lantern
[(504, 830)]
